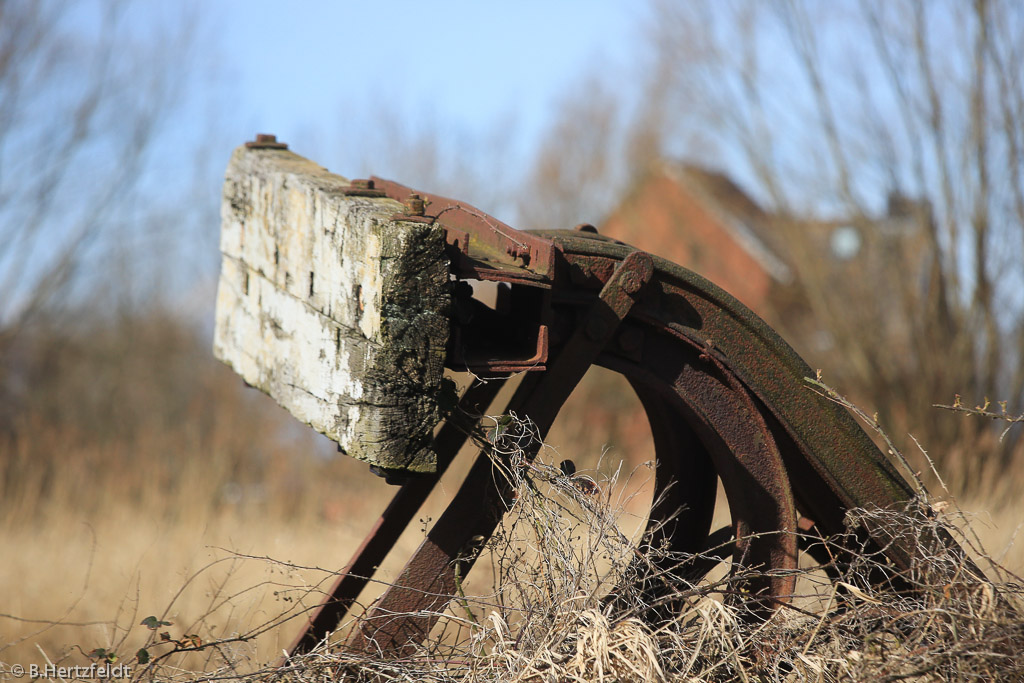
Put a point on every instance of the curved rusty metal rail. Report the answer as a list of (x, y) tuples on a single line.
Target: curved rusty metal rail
[(699, 346), (725, 396)]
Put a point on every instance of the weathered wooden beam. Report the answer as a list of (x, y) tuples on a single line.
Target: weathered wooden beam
[(333, 309)]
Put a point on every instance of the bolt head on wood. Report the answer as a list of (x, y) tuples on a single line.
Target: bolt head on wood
[(415, 205), (266, 141)]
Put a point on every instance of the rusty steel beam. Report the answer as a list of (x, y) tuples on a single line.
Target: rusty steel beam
[(394, 520)]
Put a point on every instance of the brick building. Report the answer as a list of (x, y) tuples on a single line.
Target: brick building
[(703, 221)]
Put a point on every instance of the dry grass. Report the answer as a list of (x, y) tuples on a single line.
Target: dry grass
[(552, 615), (134, 489), (546, 619)]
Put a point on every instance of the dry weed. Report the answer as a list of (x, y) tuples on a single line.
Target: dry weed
[(567, 598)]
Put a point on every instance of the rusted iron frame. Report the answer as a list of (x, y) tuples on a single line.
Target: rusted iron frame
[(749, 369), (729, 421), (804, 448), (729, 418), (832, 464), (682, 383), (405, 613), (826, 479), (396, 517), (708, 398)]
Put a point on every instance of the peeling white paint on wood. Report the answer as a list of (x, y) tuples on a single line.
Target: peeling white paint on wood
[(330, 307)]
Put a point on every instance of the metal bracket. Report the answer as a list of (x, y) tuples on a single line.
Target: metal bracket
[(484, 248)]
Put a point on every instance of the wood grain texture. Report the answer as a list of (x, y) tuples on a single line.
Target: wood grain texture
[(333, 309)]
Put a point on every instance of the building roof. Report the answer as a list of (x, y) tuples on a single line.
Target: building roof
[(749, 225)]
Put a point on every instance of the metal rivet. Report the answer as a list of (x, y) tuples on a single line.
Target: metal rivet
[(631, 284)]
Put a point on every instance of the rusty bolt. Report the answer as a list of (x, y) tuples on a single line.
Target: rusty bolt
[(518, 251), (585, 227), (631, 284), (637, 276), (415, 205), (266, 141)]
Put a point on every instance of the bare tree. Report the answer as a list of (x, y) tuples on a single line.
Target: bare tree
[(872, 111), (580, 167), (89, 92), (418, 149), (902, 121), (83, 103)]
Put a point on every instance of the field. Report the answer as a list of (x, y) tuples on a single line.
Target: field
[(135, 489)]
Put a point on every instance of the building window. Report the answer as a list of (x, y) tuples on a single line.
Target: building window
[(845, 242)]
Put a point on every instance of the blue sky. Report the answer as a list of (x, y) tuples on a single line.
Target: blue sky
[(313, 73), (301, 68)]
